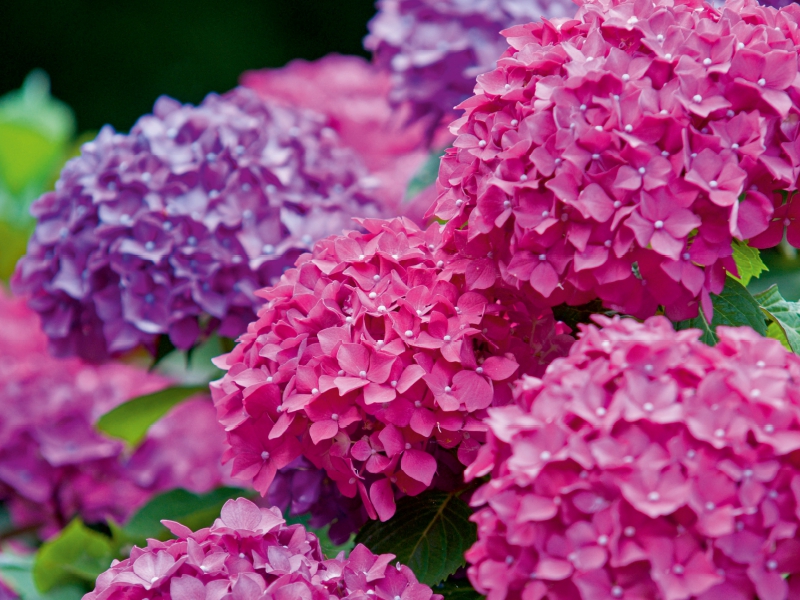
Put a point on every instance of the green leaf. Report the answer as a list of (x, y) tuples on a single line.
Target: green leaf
[(785, 315), (195, 366), (35, 130), (456, 589), (425, 176), (17, 573), (775, 332), (329, 549), (77, 555), (733, 307), (748, 262), (429, 533), (193, 510), (131, 420)]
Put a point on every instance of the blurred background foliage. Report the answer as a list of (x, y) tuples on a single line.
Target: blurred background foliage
[(110, 60)]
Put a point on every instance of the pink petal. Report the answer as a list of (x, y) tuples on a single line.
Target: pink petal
[(419, 465)]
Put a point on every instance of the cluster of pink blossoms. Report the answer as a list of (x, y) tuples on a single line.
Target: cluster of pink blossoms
[(373, 360), (645, 465), (618, 155), (250, 553), (55, 465)]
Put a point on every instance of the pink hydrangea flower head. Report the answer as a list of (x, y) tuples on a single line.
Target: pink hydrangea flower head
[(55, 465), (434, 49), (169, 230), (617, 155), (250, 552), (373, 360), (645, 465), (353, 96)]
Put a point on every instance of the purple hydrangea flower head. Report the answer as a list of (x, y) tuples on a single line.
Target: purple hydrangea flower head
[(373, 360), (170, 229), (645, 465), (250, 552), (434, 49), (55, 465), (301, 488), (618, 155)]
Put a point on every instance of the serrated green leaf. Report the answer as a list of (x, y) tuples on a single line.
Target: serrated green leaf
[(17, 573), (456, 589), (429, 533), (329, 549), (784, 314), (425, 176), (748, 262), (77, 555), (131, 420), (735, 306), (193, 510)]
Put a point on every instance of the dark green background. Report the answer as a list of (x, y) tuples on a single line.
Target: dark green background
[(110, 60)]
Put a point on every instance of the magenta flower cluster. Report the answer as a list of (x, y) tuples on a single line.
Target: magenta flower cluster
[(645, 465), (373, 360), (169, 230), (55, 465), (250, 553), (618, 155), (435, 48)]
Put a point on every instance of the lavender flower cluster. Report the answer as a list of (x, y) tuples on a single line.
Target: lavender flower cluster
[(54, 465), (169, 230), (434, 49)]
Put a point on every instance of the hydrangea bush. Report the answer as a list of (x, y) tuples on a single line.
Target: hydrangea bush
[(54, 465), (645, 465), (415, 389), (373, 360), (169, 230), (619, 155), (249, 552)]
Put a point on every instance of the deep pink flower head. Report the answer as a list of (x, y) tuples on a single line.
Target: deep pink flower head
[(435, 48), (55, 465), (373, 360), (169, 230), (617, 155), (353, 96), (645, 465), (250, 553)]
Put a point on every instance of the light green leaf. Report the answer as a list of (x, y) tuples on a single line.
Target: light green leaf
[(733, 307), (775, 332), (193, 510), (131, 420), (429, 533), (35, 130), (77, 555), (425, 176), (748, 262), (785, 315), (16, 571), (193, 367)]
